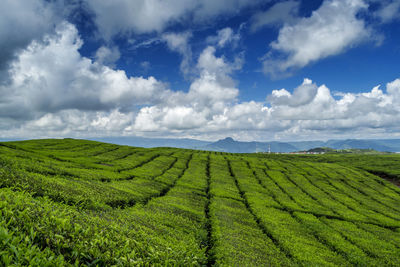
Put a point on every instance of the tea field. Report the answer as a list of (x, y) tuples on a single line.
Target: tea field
[(75, 202)]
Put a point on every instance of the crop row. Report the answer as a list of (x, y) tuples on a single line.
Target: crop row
[(293, 227), (238, 238), (167, 229), (95, 193), (75, 202)]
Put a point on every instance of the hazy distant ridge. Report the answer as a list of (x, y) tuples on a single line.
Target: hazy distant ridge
[(230, 145)]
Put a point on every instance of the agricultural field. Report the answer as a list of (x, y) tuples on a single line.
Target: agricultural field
[(384, 165), (76, 202)]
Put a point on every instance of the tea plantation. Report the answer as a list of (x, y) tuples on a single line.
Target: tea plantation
[(76, 202)]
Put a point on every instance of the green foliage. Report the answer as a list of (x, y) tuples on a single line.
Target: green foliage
[(238, 239), (77, 202)]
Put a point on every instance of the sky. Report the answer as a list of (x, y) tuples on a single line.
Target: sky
[(205, 69)]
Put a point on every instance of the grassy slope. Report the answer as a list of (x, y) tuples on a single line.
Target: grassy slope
[(71, 202)]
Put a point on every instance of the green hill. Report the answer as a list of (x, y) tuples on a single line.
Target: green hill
[(77, 202)]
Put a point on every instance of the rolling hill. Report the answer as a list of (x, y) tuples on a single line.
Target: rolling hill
[(77, 202)]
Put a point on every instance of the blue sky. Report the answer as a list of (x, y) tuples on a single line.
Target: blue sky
[(254, 70)]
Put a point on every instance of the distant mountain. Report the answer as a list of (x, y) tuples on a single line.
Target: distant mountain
[(390, 145), (230, 145)]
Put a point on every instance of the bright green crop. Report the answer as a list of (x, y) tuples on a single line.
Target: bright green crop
[(76, 202)]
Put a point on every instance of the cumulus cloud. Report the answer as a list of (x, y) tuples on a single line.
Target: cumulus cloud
[(51, 75), (168, 119), (210, 109), (75, 123), (319, 104), (208, 95), (117, 105), (20, 23), (302, 95), (330, 30), (316, 115), (393, 89), (54, 91), (214, 88), (367, 111), (278, 14), (144, 16)]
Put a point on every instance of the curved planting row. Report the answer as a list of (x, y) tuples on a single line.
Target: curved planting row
[(76, 202)]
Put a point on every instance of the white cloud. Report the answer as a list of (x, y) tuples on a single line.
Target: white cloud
[(280, 13), (394, 88), (320, 105), (214, 87), (224, 37), (211, 109), (302, 95), (113, 120), (351, 112), (51, 75), (147, 120), (208, 95), (319, 115), (76, 123), (20, 23), (181, 117), (54, 91), (330, 30), (179, 42), (144, 16)]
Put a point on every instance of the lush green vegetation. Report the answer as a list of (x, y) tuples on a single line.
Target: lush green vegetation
[(385, 165), (76, 202)]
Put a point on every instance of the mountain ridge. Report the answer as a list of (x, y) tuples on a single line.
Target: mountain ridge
[(228, 144), (383, 145)]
